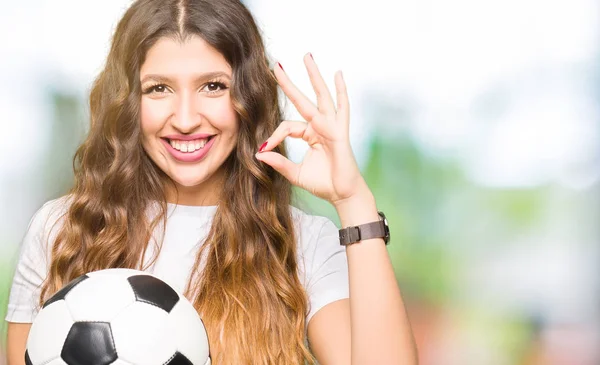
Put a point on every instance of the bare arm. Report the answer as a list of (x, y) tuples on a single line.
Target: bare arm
[(372, 326), (16, 342), (329, 333), (380, 329)]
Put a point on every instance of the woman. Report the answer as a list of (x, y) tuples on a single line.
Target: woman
[(169, 180)]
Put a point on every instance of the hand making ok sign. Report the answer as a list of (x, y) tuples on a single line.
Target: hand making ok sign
[(329, 169)]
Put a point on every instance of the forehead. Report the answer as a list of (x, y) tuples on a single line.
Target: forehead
[(192, 56)]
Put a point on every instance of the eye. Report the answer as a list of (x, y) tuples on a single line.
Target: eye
[(214, 87), (159, 88)]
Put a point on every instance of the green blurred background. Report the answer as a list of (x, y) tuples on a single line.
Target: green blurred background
[(475, 124)]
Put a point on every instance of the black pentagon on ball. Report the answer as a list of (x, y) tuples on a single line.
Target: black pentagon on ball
[(153, 291), (60, 295), (89, 343), (178, 359)]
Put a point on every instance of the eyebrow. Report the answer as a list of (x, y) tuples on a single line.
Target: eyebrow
[(201, 77)]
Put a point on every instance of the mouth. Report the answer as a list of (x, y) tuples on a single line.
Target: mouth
[(188, 146)]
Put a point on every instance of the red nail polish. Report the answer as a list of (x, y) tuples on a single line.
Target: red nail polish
[(310, 54), (280, 66), (262, 147)]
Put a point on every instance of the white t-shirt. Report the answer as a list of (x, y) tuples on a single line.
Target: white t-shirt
[(322, 261)]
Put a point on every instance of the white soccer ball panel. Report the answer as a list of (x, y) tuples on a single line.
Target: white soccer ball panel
[(99, 299), (120, 362), (48, 333), (142, 336), (188, 332), (58, 361), (120, 272)]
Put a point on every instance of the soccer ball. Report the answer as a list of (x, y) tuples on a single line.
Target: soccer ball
[(117, 317)]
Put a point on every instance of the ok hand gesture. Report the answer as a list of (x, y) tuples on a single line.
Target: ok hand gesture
[(329, 169)]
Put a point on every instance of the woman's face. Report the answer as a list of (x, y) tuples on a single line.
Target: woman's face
[(188, 122)]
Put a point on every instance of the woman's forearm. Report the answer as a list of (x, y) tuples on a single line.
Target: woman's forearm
[(381, 332)]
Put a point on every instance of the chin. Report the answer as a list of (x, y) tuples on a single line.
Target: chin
[(189, 181)]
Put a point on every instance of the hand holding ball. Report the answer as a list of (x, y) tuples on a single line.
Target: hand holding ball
[(118, 317)]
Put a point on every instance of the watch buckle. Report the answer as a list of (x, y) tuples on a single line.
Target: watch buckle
[(354, 234)]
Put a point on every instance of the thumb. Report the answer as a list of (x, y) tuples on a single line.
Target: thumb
[(281, 164)]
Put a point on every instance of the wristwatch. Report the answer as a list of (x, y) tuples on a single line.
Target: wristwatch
[(379, 229)]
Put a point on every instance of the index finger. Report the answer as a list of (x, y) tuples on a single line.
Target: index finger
[(324, 99), (305, 107)]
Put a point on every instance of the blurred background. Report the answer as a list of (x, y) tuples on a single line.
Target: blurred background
[(475, 123)]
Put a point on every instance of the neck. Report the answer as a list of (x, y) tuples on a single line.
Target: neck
[(205, 194)]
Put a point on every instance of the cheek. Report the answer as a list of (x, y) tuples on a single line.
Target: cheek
[(152, 116), (224, 117)]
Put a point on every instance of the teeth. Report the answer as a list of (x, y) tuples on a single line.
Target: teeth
[(189, 146)]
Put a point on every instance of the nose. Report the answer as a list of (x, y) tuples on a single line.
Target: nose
[(186, 117)]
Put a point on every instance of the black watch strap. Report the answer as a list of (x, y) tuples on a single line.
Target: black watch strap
[(379, 229)]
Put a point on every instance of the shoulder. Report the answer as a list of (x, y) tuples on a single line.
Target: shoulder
[(32, 266), (52, 211), (46, 220), (55, 207), (317, 240), (310, 228), (322, 261)]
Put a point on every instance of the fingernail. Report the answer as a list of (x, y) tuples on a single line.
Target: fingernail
[(280, 66), (262, 147), (310, 54)]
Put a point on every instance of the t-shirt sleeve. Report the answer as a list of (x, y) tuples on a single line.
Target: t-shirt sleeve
[(30, 271), (327, 270)]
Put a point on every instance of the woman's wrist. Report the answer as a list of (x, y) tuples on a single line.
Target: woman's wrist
[(358, 209)]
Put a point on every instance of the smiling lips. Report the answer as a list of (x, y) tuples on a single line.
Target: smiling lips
[(188, 146), (188, 150)]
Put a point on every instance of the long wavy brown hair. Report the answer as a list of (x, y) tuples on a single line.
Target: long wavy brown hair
[(248, 292)]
